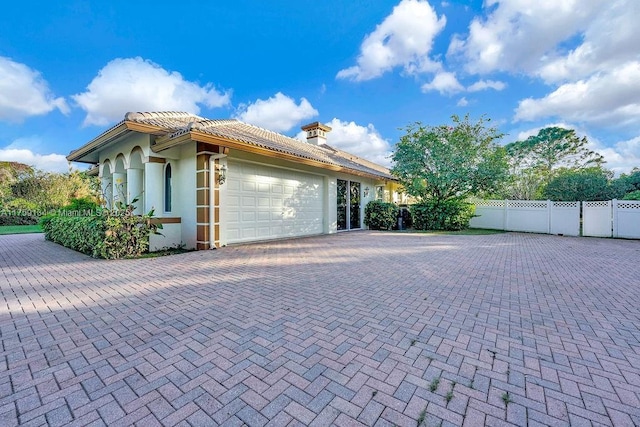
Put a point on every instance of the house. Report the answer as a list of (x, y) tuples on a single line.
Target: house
[(217, 182)]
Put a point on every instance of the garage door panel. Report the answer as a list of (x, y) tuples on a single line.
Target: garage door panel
[(248, 216), (248, 233), (248, 186), (249, 201), (273, 203)]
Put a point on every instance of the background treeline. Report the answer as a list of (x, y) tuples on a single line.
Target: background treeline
[(26, 192), (442, 167), (557, 165)]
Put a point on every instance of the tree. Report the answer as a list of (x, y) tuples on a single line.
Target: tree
[(553, 148), (629, 183), (10, 173), (581, 185), (526, 184), (38, 190), (535, 161), (450, 162), (634, 195)]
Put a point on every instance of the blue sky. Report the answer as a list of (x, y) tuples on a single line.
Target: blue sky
[(69, 70)]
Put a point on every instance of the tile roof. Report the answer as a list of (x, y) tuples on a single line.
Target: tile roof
[(259, 137)]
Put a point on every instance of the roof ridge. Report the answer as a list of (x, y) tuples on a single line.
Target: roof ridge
[(142, 115), (208, 123), (356, 158), (271, 131)]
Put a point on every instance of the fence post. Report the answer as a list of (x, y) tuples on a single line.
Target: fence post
[(505, 222), (580, 218), (549, 213), (614, 206)]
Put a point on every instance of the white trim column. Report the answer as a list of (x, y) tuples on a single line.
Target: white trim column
[(154, 188), (135, 178), (119, 188), (106, 183)]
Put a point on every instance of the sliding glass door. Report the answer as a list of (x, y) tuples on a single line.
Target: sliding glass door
[(348, 205)]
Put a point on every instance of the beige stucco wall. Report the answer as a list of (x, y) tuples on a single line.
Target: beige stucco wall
[(152, 178), (185, 193), (125, 146)]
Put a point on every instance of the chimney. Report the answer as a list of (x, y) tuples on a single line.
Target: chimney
[(316, 133)]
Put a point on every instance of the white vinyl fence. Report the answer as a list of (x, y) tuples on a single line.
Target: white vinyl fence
[(626, 219), (615, 218), (597, 221)]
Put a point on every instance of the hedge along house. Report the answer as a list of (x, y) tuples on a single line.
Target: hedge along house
[(218, 182)]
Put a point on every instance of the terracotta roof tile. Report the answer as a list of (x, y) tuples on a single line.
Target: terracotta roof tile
[(256, 136)]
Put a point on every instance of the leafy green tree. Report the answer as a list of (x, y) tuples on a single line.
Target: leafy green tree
[(581, 185), (39, 190), (10, 173), (534, 162), (553, 148), (633, 179), (526, 184), (449, 162), (634, 195), (628, 183)]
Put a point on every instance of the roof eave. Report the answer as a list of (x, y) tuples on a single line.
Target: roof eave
[(107, 137)]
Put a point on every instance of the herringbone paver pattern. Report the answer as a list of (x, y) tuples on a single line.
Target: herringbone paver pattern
[(351, 329)]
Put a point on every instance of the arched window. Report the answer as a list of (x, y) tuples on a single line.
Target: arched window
[(167, 188)]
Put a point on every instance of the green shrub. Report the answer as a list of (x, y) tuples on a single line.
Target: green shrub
[(110, 234), (83, 234), (22, 204), (82, 204), (19, 212), (126, 235), (443, 215), (17, 218), (379, 215), (634, 195)]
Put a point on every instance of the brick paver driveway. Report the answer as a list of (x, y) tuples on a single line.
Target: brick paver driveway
[(356, 328)]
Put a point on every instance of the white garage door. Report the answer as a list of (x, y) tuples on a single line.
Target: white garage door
[(269, 203)]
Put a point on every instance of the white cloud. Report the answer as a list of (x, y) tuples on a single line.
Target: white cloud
[(47, 162), (608, 99), (587, 51), (534, 131), (135, 84), (462, 102), (24, 93), (403, 39), (447, 84), (363, 141), (444, 82), (278, 113), (622, 156), (521, 35), (487, 84), (609, 40)]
